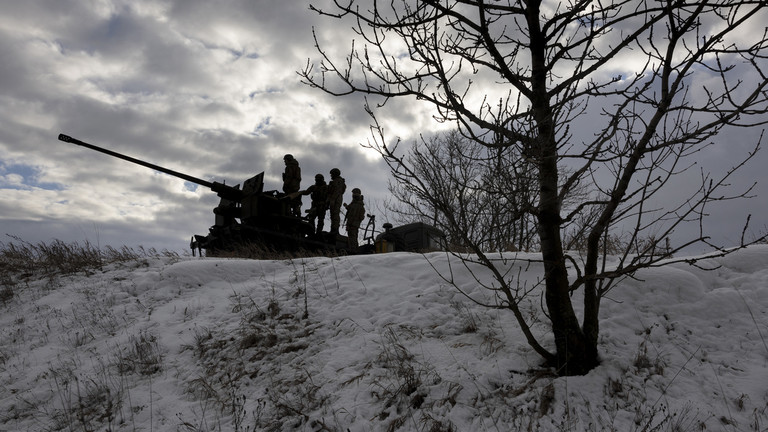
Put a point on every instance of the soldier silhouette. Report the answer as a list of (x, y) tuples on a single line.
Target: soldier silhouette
[(355, 215), (336, 189), (318, 192), (292, 183)]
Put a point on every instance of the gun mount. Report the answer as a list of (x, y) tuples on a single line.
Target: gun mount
[(245, 216), (252, 216)]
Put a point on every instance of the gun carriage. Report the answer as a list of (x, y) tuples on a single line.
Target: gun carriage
[(252, 216)]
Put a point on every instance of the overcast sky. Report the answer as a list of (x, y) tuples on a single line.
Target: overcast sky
[(205, 87)]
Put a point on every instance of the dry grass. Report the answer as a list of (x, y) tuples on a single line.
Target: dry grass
[(19, 257), (22, 261)]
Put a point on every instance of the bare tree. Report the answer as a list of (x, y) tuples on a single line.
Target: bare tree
[(620, 95), (478, 196)]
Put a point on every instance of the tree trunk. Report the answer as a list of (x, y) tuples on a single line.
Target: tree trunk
[(574, 354)]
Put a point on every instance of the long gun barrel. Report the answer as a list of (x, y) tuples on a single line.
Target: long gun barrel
[(223, 190)]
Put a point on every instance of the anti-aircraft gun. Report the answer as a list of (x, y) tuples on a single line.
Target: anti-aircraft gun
[(245, 216)]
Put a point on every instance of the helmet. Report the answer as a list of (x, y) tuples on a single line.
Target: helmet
[(288, 157), (356, 191), (335, 172), (319, 177)]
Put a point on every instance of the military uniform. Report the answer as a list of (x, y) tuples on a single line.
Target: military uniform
[(355, 215), (292, 182), (318, 192), (336, 189)]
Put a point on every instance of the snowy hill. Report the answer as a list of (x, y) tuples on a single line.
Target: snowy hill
[(372, 343)]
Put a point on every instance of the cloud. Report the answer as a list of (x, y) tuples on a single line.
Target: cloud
[(206, 88)]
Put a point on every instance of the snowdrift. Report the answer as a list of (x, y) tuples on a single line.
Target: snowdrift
[(373, 343)]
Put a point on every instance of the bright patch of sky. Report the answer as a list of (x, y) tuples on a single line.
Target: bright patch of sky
[(192, 187), (24, 177)]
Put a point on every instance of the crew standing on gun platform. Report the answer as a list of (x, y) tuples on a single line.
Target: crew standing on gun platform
[(292, 182), (355, 215), (319, 194), (336, 189)]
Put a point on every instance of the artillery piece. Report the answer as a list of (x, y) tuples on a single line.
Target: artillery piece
[(249, 216)]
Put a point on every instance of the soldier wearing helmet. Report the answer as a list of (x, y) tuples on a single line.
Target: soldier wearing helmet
[(318, 192), (336, 189), (292, 182), (355, 215)]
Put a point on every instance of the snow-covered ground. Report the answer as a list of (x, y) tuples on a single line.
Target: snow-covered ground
[(373, 343)]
